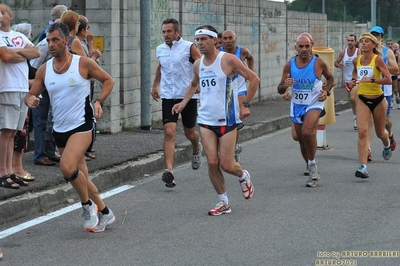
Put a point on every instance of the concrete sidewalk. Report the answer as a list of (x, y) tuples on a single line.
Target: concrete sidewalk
[(129, 156)]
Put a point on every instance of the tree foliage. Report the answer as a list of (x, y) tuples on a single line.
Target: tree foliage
[(353, 10)]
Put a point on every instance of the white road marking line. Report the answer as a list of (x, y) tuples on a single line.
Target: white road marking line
[(60, 212)]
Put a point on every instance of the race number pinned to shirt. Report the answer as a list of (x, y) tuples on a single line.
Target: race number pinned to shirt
[(365, 71), (302, 97), (209, 82)]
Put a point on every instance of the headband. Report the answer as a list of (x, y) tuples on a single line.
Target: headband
[(207, 32), (367, 36)]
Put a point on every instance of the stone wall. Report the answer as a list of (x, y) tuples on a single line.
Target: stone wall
[(263, 26)]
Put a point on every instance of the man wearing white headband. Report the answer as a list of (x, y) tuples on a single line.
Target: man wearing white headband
[(218, 114), (174, 72)]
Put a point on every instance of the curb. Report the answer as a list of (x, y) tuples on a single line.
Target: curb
[(40, 203)]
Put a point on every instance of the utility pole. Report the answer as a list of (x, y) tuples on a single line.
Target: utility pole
[(373, 13), (145, 67)]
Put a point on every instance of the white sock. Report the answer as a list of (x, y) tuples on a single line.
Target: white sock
[(223, 197), (311, 162), (243, 177)]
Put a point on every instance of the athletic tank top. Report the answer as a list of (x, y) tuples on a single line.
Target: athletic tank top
[(218, 95), (69, 96), (370, 70), (348, 64), (307, 86), (241, 82)]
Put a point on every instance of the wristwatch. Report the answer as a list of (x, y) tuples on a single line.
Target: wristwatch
[(328, 93), (372, 80), (246, 104)]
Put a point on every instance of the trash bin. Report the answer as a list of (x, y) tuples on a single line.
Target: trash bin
[(328, 55)]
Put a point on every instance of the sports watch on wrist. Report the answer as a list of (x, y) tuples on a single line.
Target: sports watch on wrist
[(372, 80), (246, 104)]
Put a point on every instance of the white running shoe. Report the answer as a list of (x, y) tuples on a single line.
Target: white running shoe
[(90, 215), (247, 186), (104, 220)]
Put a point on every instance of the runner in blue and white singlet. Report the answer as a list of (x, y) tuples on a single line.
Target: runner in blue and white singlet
[(303, 73), (305, 91)]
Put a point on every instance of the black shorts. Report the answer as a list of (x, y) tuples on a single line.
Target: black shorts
[(62, 138), (220, 130), (371, 103), (188, 114)]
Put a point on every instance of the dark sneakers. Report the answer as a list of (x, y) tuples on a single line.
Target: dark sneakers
[(168, 178)]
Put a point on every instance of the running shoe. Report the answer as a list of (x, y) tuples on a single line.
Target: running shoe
[(247, 186), (314, 176), (369, 158), (197, 158), (90, 215), (307, 171), (238, 149), (362, 172), (392, 102), (355, 123), (220, 208), (392, 143), (386, 153), (104, 220), (168, 178)]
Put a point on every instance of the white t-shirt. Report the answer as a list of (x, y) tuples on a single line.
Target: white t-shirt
[(14, 76)]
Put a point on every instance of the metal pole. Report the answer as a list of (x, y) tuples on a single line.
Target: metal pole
[(323, 6), (145, 73), (373, 13), (287, 33)]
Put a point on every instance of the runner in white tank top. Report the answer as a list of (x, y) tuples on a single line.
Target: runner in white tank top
[(345, 61), (67, 79), (218, 113)]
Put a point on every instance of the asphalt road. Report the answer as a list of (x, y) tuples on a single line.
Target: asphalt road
[(344, 219)]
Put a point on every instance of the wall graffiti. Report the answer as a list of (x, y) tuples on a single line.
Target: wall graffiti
[(160, 11), (271, 13), (206, 13), (254, 35)]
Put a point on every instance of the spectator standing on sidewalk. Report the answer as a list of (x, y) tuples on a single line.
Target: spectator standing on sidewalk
[(56, 13), (85, 36), (173, 74), (218, 114), (345, 62), (229, 45), (371, 72), (15, 49), (20, 136), (303, 72), (73, 117)]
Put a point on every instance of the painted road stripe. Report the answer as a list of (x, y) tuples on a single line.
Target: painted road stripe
[(60, 212)]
